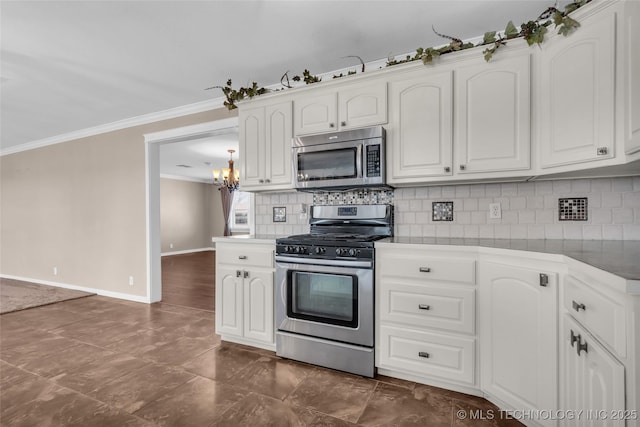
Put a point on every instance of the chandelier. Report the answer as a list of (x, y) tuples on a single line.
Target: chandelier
[(230, 176)]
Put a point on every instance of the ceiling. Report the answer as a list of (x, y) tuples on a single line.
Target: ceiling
[(68, 66)]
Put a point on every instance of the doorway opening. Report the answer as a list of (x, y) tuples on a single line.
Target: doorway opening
[(153, 144)]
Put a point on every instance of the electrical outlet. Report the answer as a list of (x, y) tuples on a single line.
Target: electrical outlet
[(495, 211), (130, 280), (170, 245), (212, 241), (55, 271)]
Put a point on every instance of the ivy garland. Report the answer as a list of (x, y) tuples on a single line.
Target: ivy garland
[(533, 32)]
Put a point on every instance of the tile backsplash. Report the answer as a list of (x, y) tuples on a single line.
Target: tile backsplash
[(530, 210)]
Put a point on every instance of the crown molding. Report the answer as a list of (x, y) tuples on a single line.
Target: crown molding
[(144, 119)]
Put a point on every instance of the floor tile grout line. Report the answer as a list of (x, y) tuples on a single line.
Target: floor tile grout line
[(364, 408), (55, 383)]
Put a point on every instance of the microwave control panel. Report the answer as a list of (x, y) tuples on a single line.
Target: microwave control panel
[(373, 160)]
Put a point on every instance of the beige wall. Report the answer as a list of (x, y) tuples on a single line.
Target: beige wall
[(190, 215), (80, 206)]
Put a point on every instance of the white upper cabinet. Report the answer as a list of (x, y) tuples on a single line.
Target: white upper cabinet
[(577, 93), (630, 52), (492, 114), (353, 106), (265, 147), (420, 132)]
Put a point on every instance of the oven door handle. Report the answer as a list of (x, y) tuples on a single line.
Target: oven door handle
[(327, 262)]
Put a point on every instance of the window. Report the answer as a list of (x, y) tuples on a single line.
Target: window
[(240, 211)]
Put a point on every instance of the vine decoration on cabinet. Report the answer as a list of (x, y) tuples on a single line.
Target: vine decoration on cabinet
[(533, 32)]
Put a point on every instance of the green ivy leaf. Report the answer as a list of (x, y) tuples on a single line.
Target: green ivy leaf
[(557, 18), (567, 26), (488, 53), (489, 37), (511, 31)]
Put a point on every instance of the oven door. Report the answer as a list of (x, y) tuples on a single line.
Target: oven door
[(333, 301)]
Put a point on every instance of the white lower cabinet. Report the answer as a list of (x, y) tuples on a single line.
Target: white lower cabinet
[(553, 340), (592, 379), (244, 294), (425, 316), (518, 330), (599, 362)]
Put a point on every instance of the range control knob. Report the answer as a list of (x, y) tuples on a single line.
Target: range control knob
[(339, 251), (352, 252), (285, 249), (297, 249), (319, 250)]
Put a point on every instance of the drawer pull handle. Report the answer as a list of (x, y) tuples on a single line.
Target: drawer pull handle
[(574, 338), (424, 307), (246, 274), (578, 307), (242, 257), (581, 346), (423, 354), (425, 270), (238, 273)]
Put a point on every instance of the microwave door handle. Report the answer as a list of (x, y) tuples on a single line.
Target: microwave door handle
[(359, 154)]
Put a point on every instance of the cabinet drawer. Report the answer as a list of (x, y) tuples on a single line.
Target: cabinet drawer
[(600, 313), (244, 254), (450, 308), (427, 354), (412, 265)]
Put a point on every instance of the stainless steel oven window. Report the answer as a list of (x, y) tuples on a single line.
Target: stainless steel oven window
[(324, 298), (330, 164)]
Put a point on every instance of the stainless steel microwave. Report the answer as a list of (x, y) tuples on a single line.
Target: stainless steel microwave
[(340, 160)]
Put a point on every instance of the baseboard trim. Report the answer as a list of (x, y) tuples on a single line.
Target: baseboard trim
[(111, 294), (187, 251)]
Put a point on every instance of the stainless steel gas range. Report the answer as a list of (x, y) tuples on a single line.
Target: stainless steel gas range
[(325, 288)]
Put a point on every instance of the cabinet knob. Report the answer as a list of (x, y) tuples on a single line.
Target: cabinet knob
[(261, 181), (578, 306), (424, 307), (238, 273), (246, 274), (424, 354), (462, 167), (343, 123), (602, 151), (242, 257), (425, 270), (544, 279), (574, 338), (447, 169), (267, 181), (332, 125), (581, 346)]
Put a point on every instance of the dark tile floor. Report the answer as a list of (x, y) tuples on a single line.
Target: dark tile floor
[(98, 361)]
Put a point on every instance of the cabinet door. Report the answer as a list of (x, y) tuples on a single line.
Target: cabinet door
[(229, 301), (278, 142), (518, 330), (258, 305), (492, 115), (592, 380), (420, 135), (631, 43), (576, 104), (315, 113), (362, 105), (252, 147)]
